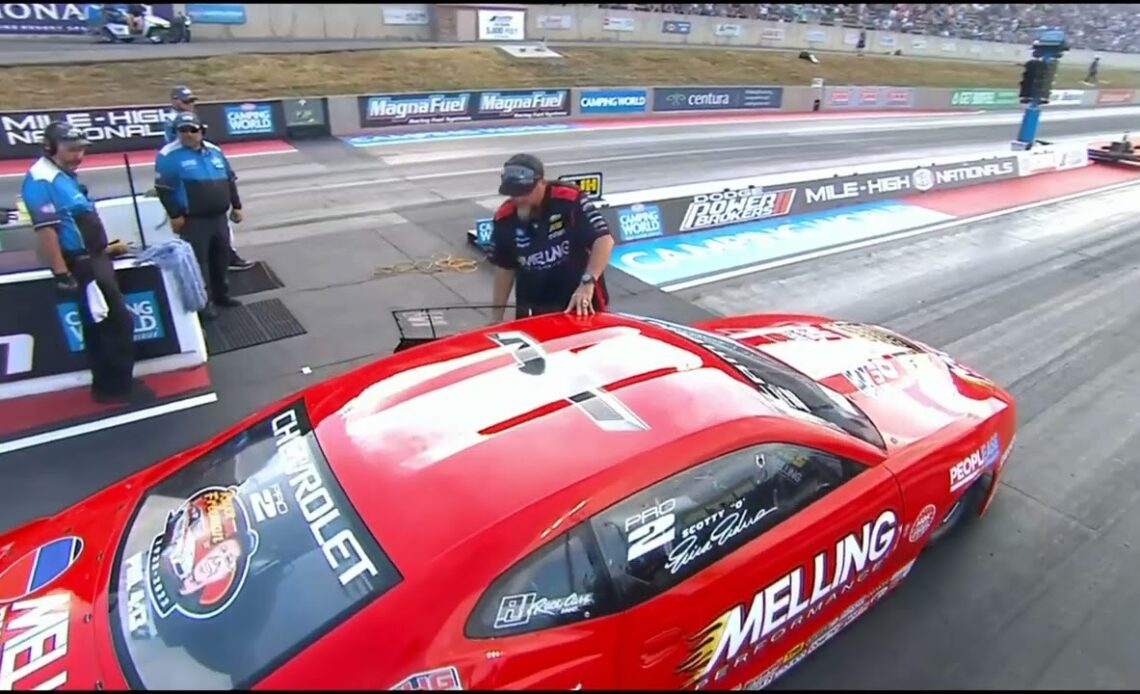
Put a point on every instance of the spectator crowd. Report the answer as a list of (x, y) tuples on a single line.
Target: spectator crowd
[(1098, 27)]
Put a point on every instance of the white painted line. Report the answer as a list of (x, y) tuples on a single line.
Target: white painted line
[(110, 167), (107, 423), (867, 243)]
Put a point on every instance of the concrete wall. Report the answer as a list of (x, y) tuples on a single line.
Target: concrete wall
[(585, 23), (344, 112)]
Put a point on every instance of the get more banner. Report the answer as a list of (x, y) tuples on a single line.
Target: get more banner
[(126, 128), (437, 108), (55, 17)]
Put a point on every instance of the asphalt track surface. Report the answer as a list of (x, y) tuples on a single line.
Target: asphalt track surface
[(1040, 594)]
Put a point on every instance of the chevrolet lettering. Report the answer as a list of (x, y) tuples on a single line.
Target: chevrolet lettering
[(617, 502)]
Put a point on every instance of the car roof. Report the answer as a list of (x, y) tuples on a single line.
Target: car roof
[(439, 443)]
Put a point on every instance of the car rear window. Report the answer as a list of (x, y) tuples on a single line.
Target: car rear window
[(240, 560)]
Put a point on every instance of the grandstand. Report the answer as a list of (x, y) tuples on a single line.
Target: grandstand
[(1097, 27)]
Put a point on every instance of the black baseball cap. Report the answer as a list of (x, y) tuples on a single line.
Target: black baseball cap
[(187, 118), (183, 94), (62, 133), (521, 174)]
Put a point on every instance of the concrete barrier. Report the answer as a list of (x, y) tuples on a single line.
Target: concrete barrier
[(455, 22), (390, 117)]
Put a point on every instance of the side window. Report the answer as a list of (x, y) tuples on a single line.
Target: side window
[(561, 583), (670, 531)]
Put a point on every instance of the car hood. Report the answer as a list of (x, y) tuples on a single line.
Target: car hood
[(908, 389), (53, 597)]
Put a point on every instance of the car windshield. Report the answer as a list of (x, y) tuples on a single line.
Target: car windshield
[(239, 560), (784, 386)]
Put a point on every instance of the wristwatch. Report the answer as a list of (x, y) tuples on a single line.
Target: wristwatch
[(587, 278)]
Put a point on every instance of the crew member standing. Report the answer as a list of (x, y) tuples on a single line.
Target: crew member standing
[(549, 242), (73, 243), (197, 186), (182, 100)]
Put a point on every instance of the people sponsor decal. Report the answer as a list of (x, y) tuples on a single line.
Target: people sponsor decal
[(922, 522), (34, 636), (804, 592), (442, 679), (801, 650), (639, 221), (145, 314), (518, 610), (199, 563), (970, 468), (39, 568), (711, 210)]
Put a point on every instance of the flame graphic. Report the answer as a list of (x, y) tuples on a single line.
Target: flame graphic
[(704, 647)]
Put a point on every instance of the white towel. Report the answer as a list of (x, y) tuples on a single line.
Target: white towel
[(96, 302)]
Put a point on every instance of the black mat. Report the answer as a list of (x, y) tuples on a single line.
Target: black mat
[(259, 278), (250, 325)]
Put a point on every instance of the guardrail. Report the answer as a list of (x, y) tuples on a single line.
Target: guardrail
[(385, 117)]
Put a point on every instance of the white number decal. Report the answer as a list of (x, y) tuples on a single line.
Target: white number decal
[(654, 534)]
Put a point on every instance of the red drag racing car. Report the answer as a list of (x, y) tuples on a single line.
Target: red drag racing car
[(612, 502)]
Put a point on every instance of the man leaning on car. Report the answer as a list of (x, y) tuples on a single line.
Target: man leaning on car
[(550, 239)]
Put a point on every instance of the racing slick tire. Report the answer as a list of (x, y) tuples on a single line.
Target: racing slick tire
[(966, 506)]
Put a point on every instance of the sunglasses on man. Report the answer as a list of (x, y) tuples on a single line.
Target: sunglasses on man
[(189, 129)]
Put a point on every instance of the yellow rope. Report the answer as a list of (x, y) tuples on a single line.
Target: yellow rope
[(439, 262)]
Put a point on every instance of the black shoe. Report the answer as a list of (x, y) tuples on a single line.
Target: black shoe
[(239, 263), (110, 398), (208, 313), (227, 302), (141, 393)]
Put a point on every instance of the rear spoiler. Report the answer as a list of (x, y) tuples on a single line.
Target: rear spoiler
[(419, 326)]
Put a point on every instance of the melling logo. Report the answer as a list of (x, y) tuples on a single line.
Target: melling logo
[(734, 206)]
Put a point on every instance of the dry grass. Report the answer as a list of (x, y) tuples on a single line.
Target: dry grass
[(415, 69)]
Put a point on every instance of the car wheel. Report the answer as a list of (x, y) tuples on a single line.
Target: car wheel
[(955, 516)]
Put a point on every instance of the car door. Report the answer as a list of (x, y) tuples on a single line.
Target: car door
[(730, 567), (549, 621)]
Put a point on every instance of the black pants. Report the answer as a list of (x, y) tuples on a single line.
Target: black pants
[(210, 239), (109, 344)]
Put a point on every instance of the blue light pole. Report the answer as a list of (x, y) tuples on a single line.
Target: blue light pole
[(1048, 49)]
